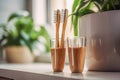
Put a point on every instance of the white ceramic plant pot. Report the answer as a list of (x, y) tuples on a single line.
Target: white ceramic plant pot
[(102, 31), (18, 54)]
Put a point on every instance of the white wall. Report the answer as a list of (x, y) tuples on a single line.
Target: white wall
[(9, 6), (39, 11)]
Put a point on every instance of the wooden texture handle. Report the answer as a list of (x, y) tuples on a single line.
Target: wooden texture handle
[(57, 28), (64, 28)]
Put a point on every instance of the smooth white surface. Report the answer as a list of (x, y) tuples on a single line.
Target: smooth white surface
[(46, 69), (102, 31)]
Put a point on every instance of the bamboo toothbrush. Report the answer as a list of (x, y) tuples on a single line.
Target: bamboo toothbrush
[(64, 17), (57, 21)]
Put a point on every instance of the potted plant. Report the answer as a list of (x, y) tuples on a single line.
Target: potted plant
[(98, 21), (22, 37), (2, 37)]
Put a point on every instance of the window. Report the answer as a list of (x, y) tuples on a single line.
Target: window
[(6, 8), (40, 10)]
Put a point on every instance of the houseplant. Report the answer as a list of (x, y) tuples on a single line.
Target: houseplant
[(98, 21), (22, 38), (2, 37), (84, 7)]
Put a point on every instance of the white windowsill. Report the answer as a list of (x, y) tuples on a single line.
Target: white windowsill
[(42, 71)]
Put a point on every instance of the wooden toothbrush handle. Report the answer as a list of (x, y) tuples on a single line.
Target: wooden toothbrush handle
[(57, 36), (57, 29), (63, 36), (63, 30)]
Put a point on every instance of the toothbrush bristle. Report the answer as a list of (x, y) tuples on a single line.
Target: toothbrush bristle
[(56, 15)]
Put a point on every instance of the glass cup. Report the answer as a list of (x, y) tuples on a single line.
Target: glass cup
[(76, 53), (57, 56)]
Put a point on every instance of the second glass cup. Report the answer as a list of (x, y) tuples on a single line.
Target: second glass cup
[(57, 56), (76, 53)]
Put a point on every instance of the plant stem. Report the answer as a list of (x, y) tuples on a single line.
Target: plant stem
[(76, 26)]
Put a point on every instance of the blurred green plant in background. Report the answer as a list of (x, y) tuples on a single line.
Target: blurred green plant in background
[(20, 31)]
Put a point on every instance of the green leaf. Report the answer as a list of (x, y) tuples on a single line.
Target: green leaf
[(22, 42), (84, 12), (25, 41), (105, 5), (83, 5), (18, 14), (24, 35), (24, 23), (75, 4), (97, 4)]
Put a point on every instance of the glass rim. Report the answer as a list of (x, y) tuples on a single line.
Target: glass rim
[(75, 37), (54, 39)]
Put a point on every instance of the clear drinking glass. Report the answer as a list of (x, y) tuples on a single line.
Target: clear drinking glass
[(57, 56), (76, 53)]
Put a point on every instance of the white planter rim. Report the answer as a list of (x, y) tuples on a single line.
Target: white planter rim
[(100, 13)]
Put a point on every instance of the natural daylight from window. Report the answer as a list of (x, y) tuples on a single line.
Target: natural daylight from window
[(42, 12)]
